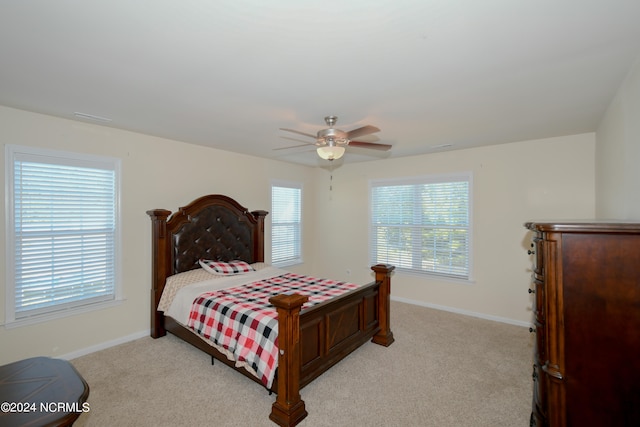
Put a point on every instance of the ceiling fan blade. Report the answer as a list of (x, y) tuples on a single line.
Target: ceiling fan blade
[(364, 130), (292, 146), (298, 140), (299, 133), (372, 145)]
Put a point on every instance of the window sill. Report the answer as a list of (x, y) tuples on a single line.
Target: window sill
[(436, 277), (288, 263), (47, 317)]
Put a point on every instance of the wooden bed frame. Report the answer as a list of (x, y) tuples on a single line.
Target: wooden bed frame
[(310, 341)]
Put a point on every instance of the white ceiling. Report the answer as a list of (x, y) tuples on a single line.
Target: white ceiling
[(228, 74)]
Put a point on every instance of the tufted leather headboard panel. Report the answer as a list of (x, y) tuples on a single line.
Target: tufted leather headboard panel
[(214, 227), (216, 233)]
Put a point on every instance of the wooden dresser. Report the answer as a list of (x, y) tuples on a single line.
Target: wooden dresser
[(586, 282)]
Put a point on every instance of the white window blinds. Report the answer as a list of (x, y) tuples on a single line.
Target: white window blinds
[(422, 225), (286, 224), (63, 225)]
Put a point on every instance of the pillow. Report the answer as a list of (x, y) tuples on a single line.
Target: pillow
[(225, 268)]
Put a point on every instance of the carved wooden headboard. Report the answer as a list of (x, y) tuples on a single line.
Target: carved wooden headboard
[(212, 227)]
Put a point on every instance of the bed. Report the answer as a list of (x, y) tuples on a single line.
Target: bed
[(310, 340)]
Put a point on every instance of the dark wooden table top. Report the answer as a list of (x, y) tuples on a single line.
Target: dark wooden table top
[(41, 391)]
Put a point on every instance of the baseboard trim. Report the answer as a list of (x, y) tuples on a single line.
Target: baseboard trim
[(105, 345), (464, 312), (142, 334)]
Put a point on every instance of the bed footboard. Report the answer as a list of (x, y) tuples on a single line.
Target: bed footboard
[(311, 342)]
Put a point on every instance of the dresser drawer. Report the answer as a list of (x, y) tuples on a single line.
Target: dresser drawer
[(537, 420), (537, 250), (538, 290), (540, 350), (539, 390)]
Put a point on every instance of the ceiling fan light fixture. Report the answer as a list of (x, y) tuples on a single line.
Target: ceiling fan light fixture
[(330, 152), (331, 142)]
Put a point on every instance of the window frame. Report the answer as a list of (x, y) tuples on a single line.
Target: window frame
[(57, 157), (295, 258), (426, 180)]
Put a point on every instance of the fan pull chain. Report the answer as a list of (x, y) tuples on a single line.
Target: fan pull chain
[(331, 176), (330, 186)]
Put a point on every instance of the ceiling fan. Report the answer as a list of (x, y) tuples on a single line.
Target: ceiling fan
[(332, 142)]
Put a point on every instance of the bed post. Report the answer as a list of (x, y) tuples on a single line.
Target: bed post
[(288, 409), (258, 242), (159, 267), (383, 275)]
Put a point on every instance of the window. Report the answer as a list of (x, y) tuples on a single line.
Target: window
[(422, 225), (62, 232), (286, 224)]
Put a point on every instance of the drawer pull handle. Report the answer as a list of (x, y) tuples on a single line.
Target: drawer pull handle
[(552, 370), (531, 291), (532, 330), (530, 252)]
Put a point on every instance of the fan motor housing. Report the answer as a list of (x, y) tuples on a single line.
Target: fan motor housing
[(339, 136)]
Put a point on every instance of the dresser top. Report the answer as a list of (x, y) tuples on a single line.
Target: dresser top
[(585, 226)]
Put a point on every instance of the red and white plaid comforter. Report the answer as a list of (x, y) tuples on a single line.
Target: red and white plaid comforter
[(244, 322)]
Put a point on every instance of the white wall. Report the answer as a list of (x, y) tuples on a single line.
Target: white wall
[(618, 154), (512, 183), (156, 173)]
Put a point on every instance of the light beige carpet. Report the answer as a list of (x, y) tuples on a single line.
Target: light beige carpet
[(443, 370)]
